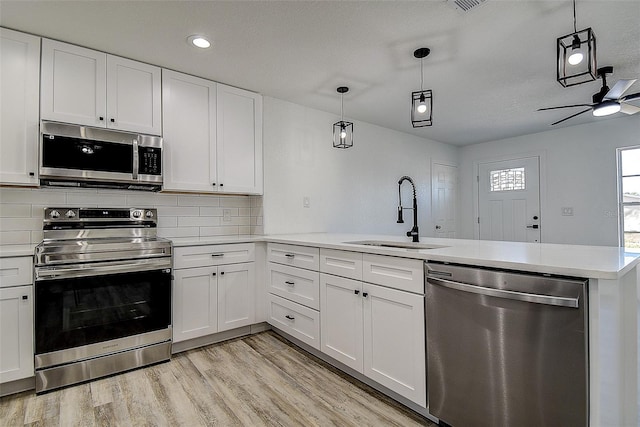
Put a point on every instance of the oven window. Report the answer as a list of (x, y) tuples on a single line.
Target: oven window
[(82, 154), (79, 311)]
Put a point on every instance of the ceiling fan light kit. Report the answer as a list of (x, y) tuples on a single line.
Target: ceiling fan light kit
[(342, 131), (422, 100), (576, 56)]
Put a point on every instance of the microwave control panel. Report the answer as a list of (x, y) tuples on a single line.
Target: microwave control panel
[(150, 161)]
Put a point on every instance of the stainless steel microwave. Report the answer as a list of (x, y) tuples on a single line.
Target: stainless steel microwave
[(82, 156)]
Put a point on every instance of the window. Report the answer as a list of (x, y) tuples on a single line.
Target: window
[(629, 197), (507, 179)]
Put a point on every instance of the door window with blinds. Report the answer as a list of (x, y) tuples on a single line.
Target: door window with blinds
[(629, 197)]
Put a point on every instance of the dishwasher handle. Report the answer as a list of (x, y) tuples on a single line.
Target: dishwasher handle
[(503, 293)]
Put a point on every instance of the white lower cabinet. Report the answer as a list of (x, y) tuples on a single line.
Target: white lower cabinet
[(210, 296), (16, 333), (295, 319)]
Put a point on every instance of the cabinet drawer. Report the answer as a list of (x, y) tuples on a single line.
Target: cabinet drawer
[(296, 256), (16, 271), (298, 321), (295, 284), (208, 255), (399, 273), (341, 263)]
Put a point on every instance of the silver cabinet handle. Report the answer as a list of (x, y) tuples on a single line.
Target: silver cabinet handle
[(503, 293)]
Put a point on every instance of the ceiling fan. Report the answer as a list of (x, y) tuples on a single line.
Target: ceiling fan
[(606, 101)]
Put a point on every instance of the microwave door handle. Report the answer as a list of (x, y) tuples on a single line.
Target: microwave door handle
[(135, 159)]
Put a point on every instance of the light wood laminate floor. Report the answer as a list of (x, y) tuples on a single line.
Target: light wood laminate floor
[(260, 380)]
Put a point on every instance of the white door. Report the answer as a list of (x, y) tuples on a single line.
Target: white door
[(189, 133), (195, 294), (236, 290), (239, 142), (133, 96), (509, 200), (16, 333), (341, 330), (19, 107), (74, 88), (444, 182), (394, 341)]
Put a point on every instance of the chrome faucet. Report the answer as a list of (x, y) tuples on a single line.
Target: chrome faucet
[(413, 233)]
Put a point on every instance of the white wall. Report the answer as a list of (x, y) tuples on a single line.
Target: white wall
[(579, 167), (352, 190)]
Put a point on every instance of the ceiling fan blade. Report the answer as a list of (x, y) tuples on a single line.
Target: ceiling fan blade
[(628, 108), (630, 97), (571, 117), (619, 89), (566, 106)]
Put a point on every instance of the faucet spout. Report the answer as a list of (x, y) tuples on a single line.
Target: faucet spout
[(413, 233)]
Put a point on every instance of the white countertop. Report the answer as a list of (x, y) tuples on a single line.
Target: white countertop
[(599, 262), (217, 240), (7, 251)]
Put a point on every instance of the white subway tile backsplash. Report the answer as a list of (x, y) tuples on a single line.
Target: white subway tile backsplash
[(15, 237), (22, 211)]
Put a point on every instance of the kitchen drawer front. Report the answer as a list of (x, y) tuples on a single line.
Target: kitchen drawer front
[(398, 273), (295, 284), (293, 255), (208, 255), (298, 321), (16, 271), (341, 263)]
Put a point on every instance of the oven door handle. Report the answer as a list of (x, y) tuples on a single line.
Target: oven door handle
[(101, 269)]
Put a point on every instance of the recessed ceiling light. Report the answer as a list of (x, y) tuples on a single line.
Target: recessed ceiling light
[(199, 41)]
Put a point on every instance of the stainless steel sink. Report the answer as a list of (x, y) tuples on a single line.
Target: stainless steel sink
[(400, 245)]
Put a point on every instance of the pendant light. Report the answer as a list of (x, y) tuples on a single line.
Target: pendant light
[(342, 131), (577, 56), (421, 101)]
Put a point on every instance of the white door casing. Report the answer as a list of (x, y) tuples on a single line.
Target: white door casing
[(444, 183), (510, 213)]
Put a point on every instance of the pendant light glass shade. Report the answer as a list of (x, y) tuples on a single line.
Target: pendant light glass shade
[(342, 131), (422, 100), (576, 56)]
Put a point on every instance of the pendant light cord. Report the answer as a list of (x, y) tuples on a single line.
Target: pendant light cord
[(342, 107), (575, 28), (422, 73)]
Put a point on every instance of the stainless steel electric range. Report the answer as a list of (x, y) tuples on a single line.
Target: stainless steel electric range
[(102, 294)]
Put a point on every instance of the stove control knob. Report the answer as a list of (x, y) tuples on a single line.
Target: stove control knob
[(136, 214), (149, 214), (70, 214), (54, 214)]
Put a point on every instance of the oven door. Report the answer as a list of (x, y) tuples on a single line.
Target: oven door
[(89, 315)]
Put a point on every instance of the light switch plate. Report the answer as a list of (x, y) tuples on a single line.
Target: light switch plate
[(306, 202), (226, 215), (567, 211)]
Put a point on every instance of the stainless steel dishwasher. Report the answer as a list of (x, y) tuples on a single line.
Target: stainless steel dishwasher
[(505, 348)]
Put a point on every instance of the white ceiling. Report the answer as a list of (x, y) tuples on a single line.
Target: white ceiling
[(490, 68)]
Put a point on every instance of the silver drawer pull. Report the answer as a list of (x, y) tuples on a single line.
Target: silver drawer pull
[(289, 282), (289, 255), (290, 317), (216, 255)]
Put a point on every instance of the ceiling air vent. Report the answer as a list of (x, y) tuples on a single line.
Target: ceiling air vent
[(465, 5)]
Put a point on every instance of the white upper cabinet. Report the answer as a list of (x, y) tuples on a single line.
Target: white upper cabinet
[(189, 133), (91, 88), (19, 98), (239, 129), (212, 136)]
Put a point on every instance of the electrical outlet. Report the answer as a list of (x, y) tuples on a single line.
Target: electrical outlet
[(226, 215), (567, 211), (306, 202), (610, 214)]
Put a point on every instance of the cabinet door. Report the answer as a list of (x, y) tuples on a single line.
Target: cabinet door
[(341, 331), (239, 129), (16, 333), (189, 133), (236, 296), (73, 86), (195, 309), (133, 96), (394, 341), (19, 107)]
